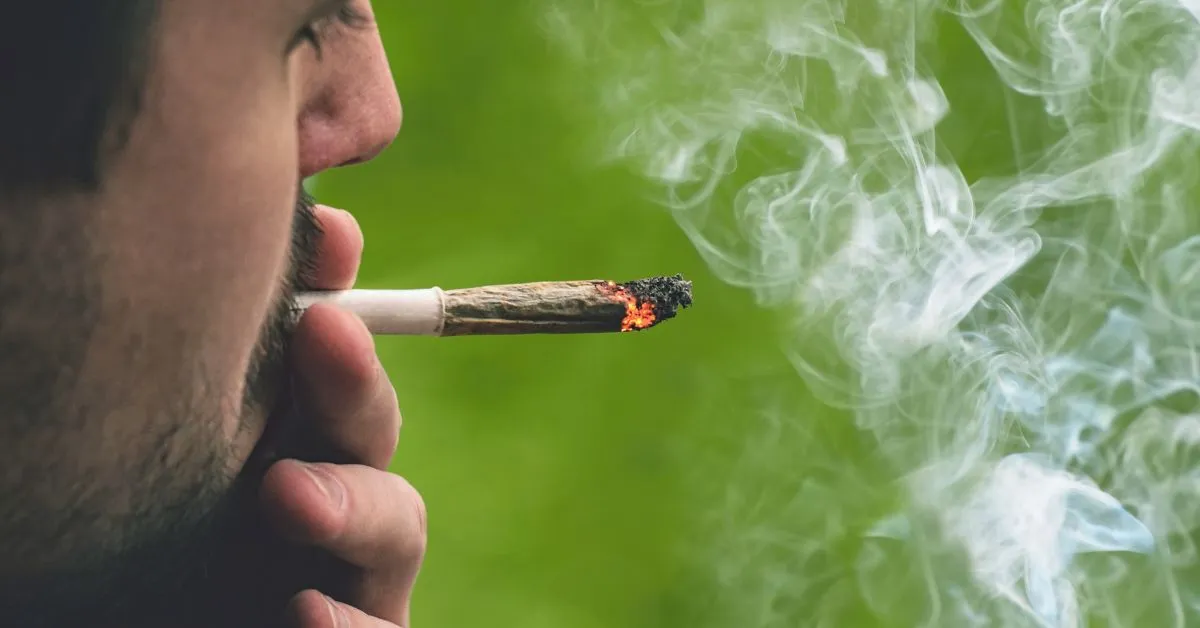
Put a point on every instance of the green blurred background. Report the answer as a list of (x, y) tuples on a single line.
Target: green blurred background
[(560, 472), (679, 477)]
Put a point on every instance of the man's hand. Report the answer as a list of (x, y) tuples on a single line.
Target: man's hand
[(357, 511)]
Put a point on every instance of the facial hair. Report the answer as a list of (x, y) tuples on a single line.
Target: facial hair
[(268, 363), (198, 553), (257, 571)]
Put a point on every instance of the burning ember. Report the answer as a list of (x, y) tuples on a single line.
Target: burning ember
[(638, 315), (643, 298)]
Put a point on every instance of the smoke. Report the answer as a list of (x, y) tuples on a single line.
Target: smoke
[(981, 215)]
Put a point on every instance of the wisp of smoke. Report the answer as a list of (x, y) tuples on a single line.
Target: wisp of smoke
[(985, 207)]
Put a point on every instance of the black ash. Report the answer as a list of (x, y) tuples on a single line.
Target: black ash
[(668, 294)]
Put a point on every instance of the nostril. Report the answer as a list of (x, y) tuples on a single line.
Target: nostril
[(367, 154)]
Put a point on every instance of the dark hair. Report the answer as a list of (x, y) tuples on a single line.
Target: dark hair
[(71, 75)]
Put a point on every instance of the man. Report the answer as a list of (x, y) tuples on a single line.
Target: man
[(156, 395)]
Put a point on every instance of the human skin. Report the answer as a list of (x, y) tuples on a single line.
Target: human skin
[(178, 267)]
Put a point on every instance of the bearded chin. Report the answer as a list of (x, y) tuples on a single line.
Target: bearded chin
[(283, 569), (203, 553), (259, 571)]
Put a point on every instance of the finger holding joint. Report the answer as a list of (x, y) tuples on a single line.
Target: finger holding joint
[(353, 402), (339, 249)]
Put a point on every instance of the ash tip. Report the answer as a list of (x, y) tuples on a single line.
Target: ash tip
[(669, 294)]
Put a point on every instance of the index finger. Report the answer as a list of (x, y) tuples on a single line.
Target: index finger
[(339, 249)]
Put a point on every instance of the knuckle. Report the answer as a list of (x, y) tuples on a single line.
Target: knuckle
[(370, 379), (414, 541), (361, 367), (394, 403), (392, 407), (382, 446), (422, 515)]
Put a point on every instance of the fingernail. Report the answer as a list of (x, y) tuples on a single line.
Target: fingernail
[(328, 484), (337, 613)]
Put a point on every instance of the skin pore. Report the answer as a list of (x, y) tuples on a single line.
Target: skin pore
[(145, 326)]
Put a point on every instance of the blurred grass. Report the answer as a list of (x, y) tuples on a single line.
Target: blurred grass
[(556, 470)]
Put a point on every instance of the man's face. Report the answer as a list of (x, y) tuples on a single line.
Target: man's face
[(144, 329)]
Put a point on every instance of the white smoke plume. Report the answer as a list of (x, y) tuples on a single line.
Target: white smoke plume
[(989, 209)]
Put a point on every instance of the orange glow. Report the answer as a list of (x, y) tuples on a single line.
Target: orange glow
[(637, 315)]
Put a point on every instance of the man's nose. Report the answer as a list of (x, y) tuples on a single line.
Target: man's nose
[(353, 112)]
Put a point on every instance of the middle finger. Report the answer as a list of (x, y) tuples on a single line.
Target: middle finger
[(350, 404), (372, 519)]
